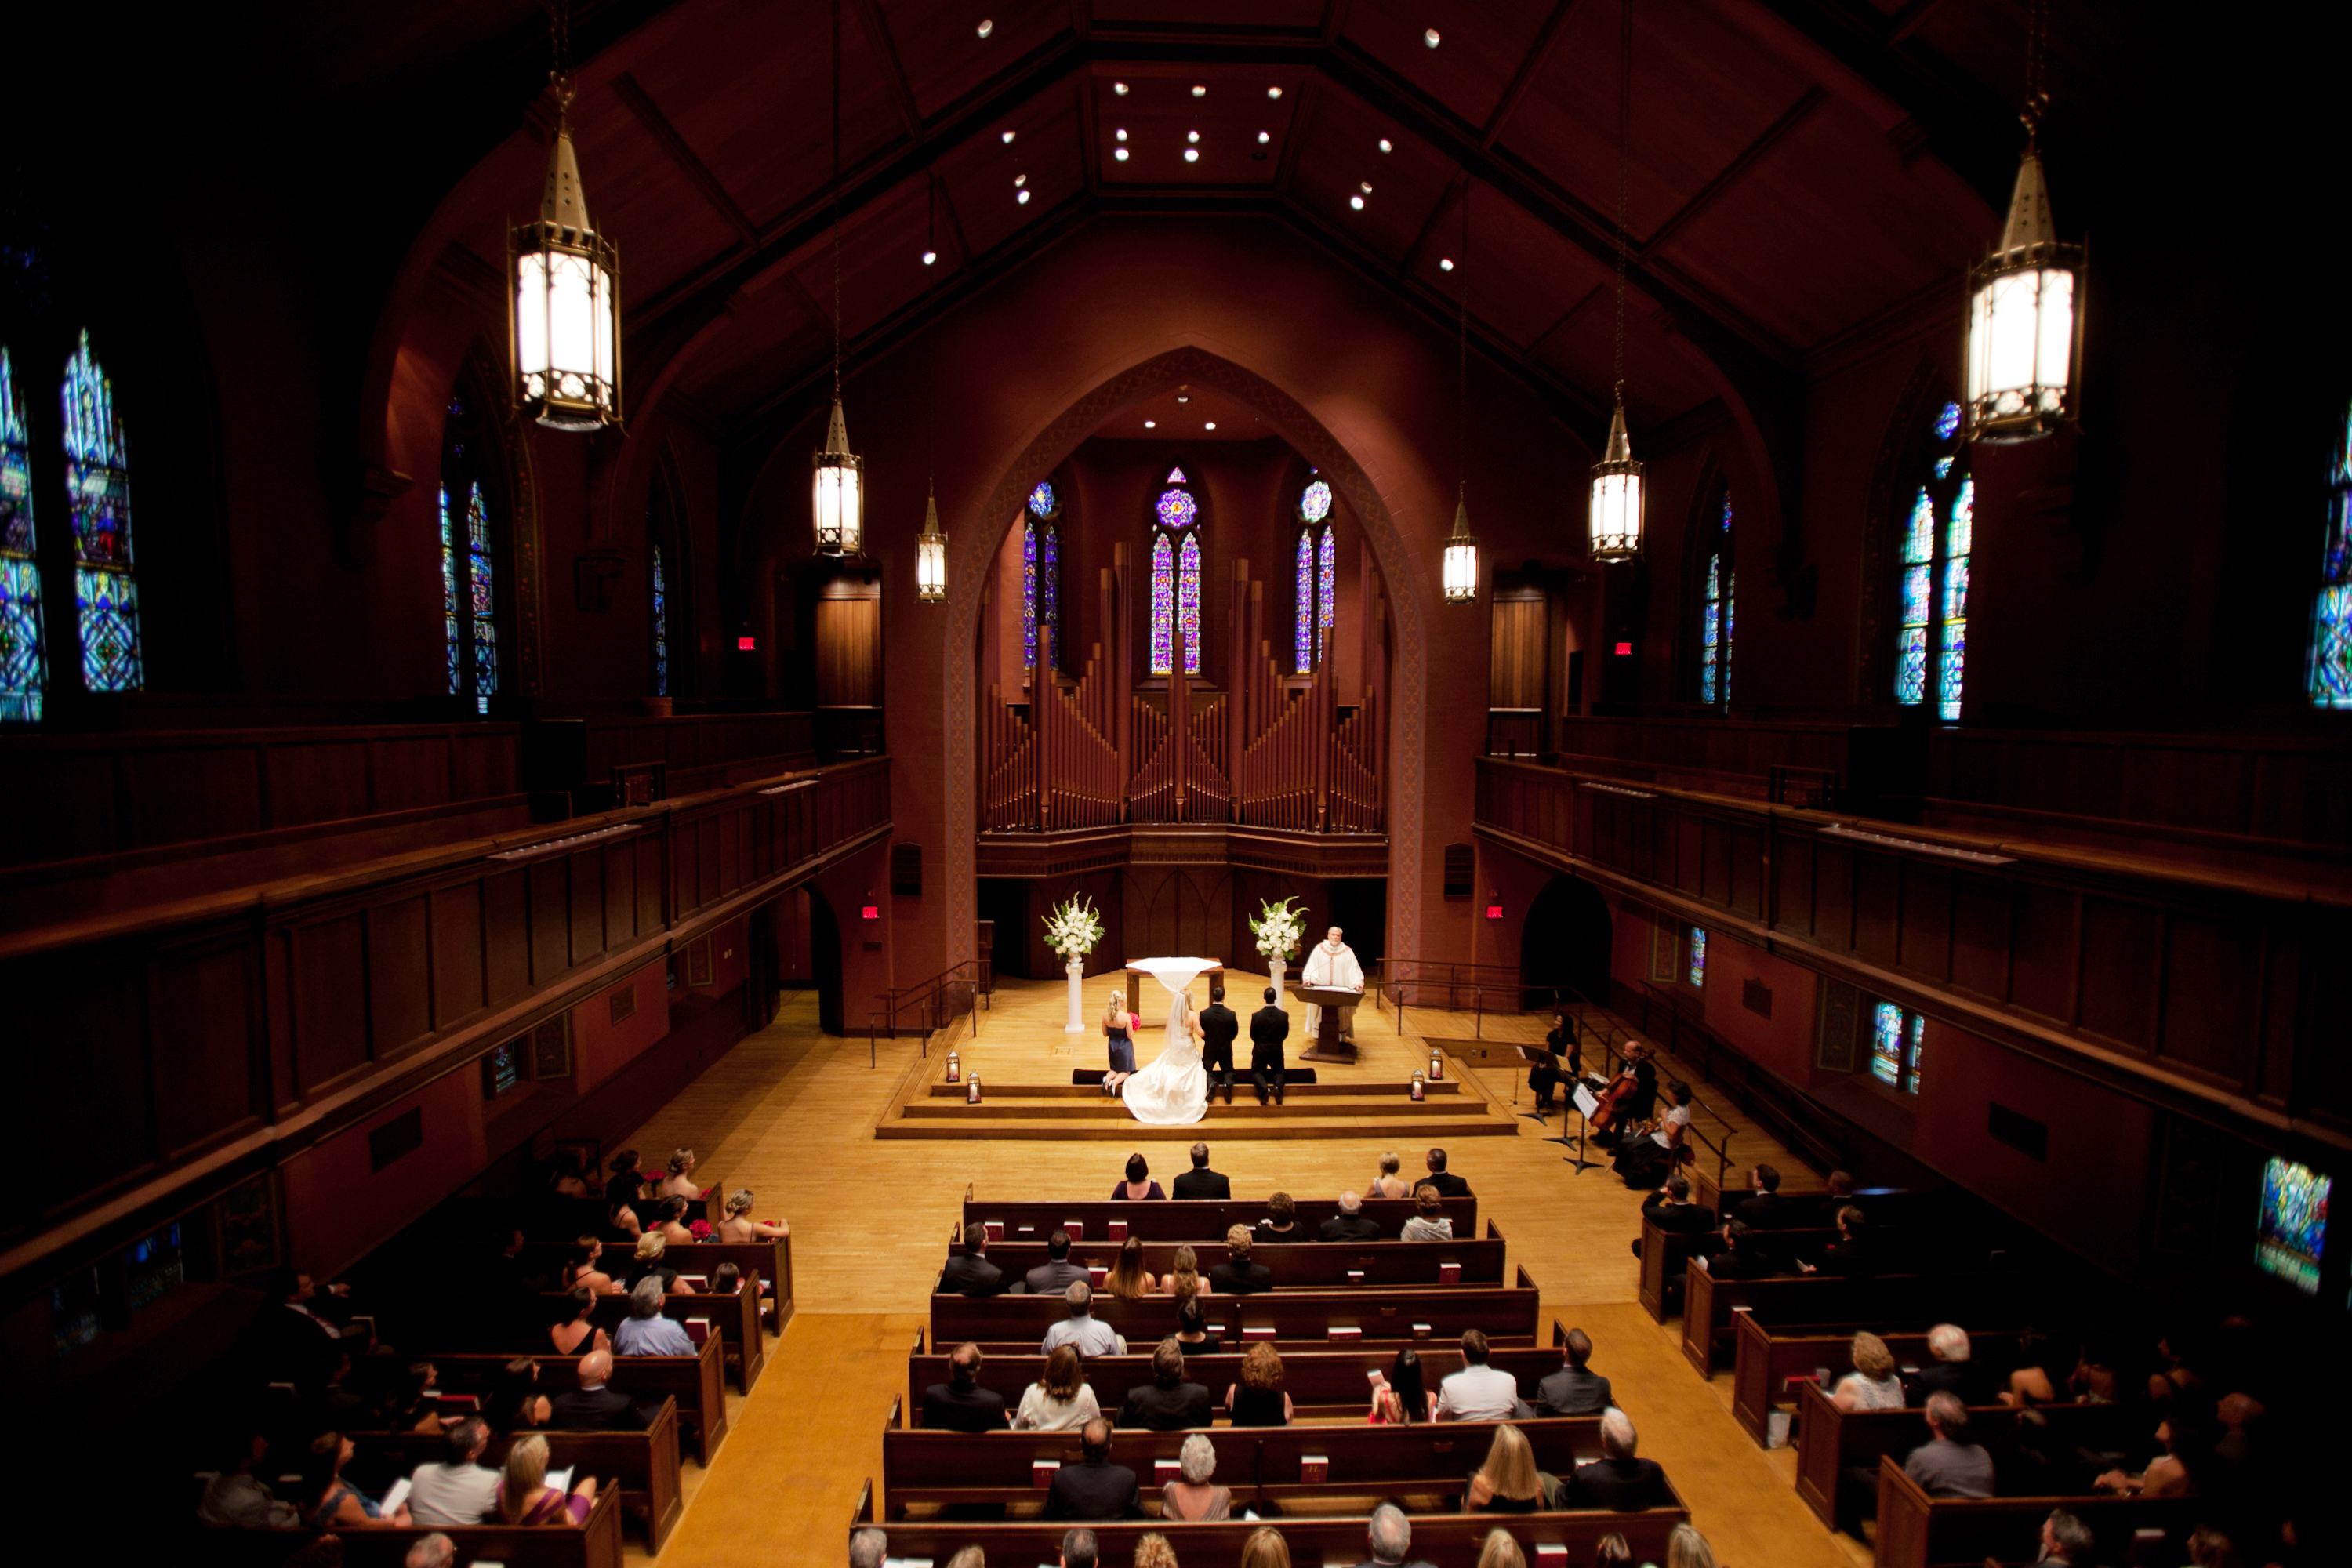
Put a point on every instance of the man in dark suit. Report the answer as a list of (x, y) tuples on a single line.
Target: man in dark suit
[(1094, 1488), (1218, 1026), (960, 1405), (1850, 1255), (1672, 1212), (1269, 1027), (1237, 1276), (1057, 1273), (1351, 1223), (1168, 1403), (1739, 1258), (1950, 1372), (1573, 1390), (1617, 1479), (591, 1406), (1201, 1182), (1448, 1186), (1768, 1210), (1391, 1538), (969, 1273)]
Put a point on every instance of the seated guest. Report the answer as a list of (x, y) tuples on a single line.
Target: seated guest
[(595, 1406), (1259, 1399), (583, 1269), (1427, 1224), (1267, 1549), (1128, 1279), (1508, 1482), (2066, 1541), (727, 1279), (1138, 1185), (738, 1226), (1849, 1256), (1391, 1537), (570, 1179), (1840, 1193), (968, 1272), (1686, 1548), (1615, 1552), (456, 1489), (409, 1403), (524, 1496), (1151, 1551), (652, 1262), (580, 1327), (1399, 1397), (1194, 1499), (514, 1399), (1572, 1390), (1281, 1222), (1193, 1329), (1201, 1182), (1351, 1223), (1059, 1400), (1447, 1185), (627, 1182), (1168, 1403), (1079, 1550), (331, 1502), (1766, 1209), (679, 1182), (1499, 1550), (1872, 1385), (1948, 1368), (669, 1222), (2208, 1548), (1094, 1488), (960, 1404), (436, 1551), (870, 1548), (621, 1216), (647, 1331), (1057, 1273), (1946, 1466), (1478, 1392), (1388, 1184), (1643, 1161), (2167, 1474), (1089, 1333), (969, 1557), (1672, 1211), (1618, 1479), (1237, 1276), (1183, 1274), (237, 1498), (1739, 1258)]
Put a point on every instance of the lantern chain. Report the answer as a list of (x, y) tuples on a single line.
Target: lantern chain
[(1624, 152), (2037, 86), (837, 200), (559, 27)]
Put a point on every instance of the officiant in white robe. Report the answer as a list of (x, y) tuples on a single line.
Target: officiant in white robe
[(1332, 965)]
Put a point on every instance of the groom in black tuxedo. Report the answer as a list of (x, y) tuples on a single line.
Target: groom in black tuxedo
[(1269, 1027), (1218, 1027)]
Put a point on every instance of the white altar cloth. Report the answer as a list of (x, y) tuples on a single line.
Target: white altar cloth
[(1173, 973)]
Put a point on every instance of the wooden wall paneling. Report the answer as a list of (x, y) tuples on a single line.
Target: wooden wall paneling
[(1689, 857), (1925, 943), (83, 1083), (848, 652), (209, 1049), (2041, 950), (505, 935), (407, 772), (2123, 944), (457, 974), (549, 920), (483, 761), (620, 878), (71, 792), (2281, 1002), (584, 876), (1877, 906), (734, 858), (399, 976), (278, 993), (330, 1021), (2212, 1017), (652, 852), (180, 792), (1981, 909), (1746, 891), (706, 862), (1641, 840), (1516, 664), (315, 781), (1792, 868), (2323, 1068), (1833, 896)]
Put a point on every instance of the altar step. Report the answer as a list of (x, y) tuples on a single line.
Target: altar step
[(1011, 1107), (1064, 1112), (1442, 1089)]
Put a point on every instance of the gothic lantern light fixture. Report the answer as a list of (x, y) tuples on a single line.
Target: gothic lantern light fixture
[(839, 492), (565, 309), (2025, 319), (1461, 576), (931, 556), (1458, 577), (1615, 515)]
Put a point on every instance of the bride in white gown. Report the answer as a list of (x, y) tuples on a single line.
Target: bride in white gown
[(1174, 1090)]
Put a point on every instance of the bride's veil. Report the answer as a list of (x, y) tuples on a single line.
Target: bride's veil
[(1180, 1017)]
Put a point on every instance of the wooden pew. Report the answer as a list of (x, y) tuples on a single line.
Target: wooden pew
[(1830, 1441), (1664, 1256), (1764, 1360), (699, 1383), (1709, 1303), (597, 1544), (1195, 1220), (1445, 1541), (1259, 1463), (1915, 1531), (1294, 1265), (1507, 1315), (640, 1465), (736, 1318), (771, 1259), (1323, 1383)]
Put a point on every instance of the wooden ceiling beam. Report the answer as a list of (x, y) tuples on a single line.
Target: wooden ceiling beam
[(1524, 77), (1796, 114), (697, 173), (894, 73)]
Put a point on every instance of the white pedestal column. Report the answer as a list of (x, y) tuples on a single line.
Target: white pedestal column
[(1077, 968), (1277, 966)]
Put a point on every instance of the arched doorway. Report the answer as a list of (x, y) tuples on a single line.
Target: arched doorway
[(825, 961), (1566, 942)]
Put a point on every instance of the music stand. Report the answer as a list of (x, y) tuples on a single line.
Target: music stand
[(1586, 1104), (1536, 1056)]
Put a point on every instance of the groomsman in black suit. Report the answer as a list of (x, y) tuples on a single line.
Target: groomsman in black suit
[(1269, 1027), (1218, 1027)]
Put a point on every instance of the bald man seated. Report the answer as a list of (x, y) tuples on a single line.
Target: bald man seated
[(592, 1406)]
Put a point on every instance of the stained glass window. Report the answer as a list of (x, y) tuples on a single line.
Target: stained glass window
[(1315, 501), (24, 668), (1028, 594), (1163, 605), (1041, 500), (1175, 576), (1932, 636), (470, 597), (1040, 576), (1897, 1037), (2292, 1227), (1049, 590), (1715, 610), (98, 492), (1326, 573), (1698, 956), (1302, 635), (1318, 561), (2330, 678), (1188, 600), (1178, 508), (661, 627)]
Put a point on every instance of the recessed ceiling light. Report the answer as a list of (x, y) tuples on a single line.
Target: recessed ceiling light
[(986, 26), (1122, 132), (1008, 138), (1022, 197), (1191, 155), (1182, 398), (1263, 138), (1191, 136), (930, 257), (1274, 92), (1200, 91), (1151, 425), (1357, 203), (1119, 88), (1429, 37), (1445, 264), (1019, 180), (1209, 425), (1120, 155), (1386, 145)]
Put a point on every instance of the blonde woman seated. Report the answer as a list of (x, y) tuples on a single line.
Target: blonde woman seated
[(1059, 1401), (1117, 1027), (970, 1557), (1183, 1276), (1499, 1550), (1388, 1184), (1128, 1279), (1195, 1499), (653, 1260), (1872, 1385), (524, 1496), (1427, 1224), (1508, 1482), (1686, 1548), (679, 1182), (738, 1226), (1265, 1549), (1152, 1551)]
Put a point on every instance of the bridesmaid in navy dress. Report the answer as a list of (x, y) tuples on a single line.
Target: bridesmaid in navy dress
[(1116, 1023)]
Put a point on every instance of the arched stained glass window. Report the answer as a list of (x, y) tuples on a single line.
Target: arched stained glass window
[(661, 624), (1896, 1036), (667, 622), (1303, 620), (98, 492), (23, 665), (1318, 559), (469, 555), (1175, 576), (1716, 611), (1932, 640), (2330, 681), (1040, 576)]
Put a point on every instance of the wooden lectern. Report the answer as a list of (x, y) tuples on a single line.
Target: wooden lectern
[(1328, 1046)]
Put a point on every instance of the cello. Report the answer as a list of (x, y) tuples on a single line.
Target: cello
[(1607, 1115)]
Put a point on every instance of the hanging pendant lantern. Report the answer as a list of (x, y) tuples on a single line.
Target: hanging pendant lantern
[(1617, 499), (565, 323), (2025, 322), (1461, 576), (931, 556), (840, 494)]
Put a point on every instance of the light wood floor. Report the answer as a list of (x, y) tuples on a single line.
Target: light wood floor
[(792, 1114)]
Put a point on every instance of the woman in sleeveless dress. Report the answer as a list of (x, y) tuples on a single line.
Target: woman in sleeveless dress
[(1122, 1048), (1173, 1091)]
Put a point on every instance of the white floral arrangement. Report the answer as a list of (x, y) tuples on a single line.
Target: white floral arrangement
[(1073, 928), (1279, 928)]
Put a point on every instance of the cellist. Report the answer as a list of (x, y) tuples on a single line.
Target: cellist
[(1632, 1097)]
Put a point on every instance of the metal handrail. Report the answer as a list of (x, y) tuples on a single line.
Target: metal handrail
[(933, 995)]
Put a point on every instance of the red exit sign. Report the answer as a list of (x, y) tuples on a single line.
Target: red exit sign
[(746, 645), (870, 912), (1622, 648), (1494, 912)]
